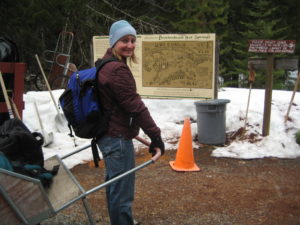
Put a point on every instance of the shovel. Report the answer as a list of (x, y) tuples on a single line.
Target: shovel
[(48, 137), (15, 109), (8, 105), (60, 120)]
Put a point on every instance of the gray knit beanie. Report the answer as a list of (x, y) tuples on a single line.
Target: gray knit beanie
[(118, 30)]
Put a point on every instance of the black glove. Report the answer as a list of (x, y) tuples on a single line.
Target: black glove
[(157, 142)]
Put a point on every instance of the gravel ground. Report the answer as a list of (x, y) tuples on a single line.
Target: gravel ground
[(225, 191)]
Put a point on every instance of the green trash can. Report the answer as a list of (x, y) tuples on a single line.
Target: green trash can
[(211, 121)]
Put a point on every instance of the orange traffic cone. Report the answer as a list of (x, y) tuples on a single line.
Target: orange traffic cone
[(185, 156)]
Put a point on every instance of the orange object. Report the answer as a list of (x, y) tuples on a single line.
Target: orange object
[(185, 156), (251, 73)]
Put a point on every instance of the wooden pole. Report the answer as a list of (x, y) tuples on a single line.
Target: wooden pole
[(8, 105), (292, 98), (246, 117), (268, 95), (15, 109), (251, 81)]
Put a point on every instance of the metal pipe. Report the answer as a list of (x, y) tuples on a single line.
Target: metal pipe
[(83, 195), (88, 211), (76, 151)]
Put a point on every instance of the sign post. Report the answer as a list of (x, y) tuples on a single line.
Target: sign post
[(270, 47), (268, 94)]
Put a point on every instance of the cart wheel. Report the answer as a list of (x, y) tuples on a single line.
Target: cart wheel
[(60, 82)]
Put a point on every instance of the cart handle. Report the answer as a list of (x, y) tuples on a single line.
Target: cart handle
[(142, 140), (85, 194), (145, 142), (157, 155)]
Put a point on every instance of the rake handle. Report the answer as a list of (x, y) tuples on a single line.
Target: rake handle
[(292, 98), (15, 109), (46, 81), (9, 109)]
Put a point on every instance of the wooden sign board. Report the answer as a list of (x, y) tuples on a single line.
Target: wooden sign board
[(280, 63), (171, 65), (272, 46)]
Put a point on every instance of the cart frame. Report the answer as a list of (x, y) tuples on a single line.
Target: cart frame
[(59, 58), (19, 191)]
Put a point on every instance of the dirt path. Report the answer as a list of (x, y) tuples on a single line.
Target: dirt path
[(225, 191)]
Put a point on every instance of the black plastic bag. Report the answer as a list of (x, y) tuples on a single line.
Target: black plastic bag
[(19, 144)]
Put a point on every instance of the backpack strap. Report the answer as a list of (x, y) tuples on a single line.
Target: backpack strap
[(95, 152), (99, 64)]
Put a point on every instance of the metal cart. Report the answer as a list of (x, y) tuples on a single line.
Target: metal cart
[(59, 60), (23, 200)]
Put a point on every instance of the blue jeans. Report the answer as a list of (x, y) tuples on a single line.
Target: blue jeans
[(118, 156)]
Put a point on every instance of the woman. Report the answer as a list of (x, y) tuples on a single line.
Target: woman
[(128, 113)]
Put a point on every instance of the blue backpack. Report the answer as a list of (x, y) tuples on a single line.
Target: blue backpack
[(81, 105)]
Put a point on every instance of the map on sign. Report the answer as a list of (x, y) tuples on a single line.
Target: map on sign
[(179, 64), (171, 65), (272, 46)]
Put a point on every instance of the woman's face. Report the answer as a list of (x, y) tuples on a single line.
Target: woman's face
[(125, 46)]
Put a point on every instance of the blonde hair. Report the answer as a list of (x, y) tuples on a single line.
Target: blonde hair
[(131, 58)]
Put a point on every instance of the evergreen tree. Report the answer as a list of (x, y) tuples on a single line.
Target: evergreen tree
[(205, 16), (290, 18), (260, 22), (35, 25)]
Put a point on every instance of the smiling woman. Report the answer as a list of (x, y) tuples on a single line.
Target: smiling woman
[(127, 114)]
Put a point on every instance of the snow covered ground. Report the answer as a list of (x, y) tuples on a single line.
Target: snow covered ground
[(169, 115)]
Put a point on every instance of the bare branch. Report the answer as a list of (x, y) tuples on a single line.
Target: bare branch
[(139, 21)]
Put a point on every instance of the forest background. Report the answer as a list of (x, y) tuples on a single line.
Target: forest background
[(34, 26)]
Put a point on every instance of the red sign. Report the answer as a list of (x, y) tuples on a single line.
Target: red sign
[(272, 46)]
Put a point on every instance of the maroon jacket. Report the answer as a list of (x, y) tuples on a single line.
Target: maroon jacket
[(117, 90)]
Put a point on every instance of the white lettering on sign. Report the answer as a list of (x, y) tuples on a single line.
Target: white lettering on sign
[(272, 46)]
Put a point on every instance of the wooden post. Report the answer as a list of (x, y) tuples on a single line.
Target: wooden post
[(268, 95)]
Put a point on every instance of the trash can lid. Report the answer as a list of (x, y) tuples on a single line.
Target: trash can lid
[(213, 102)]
